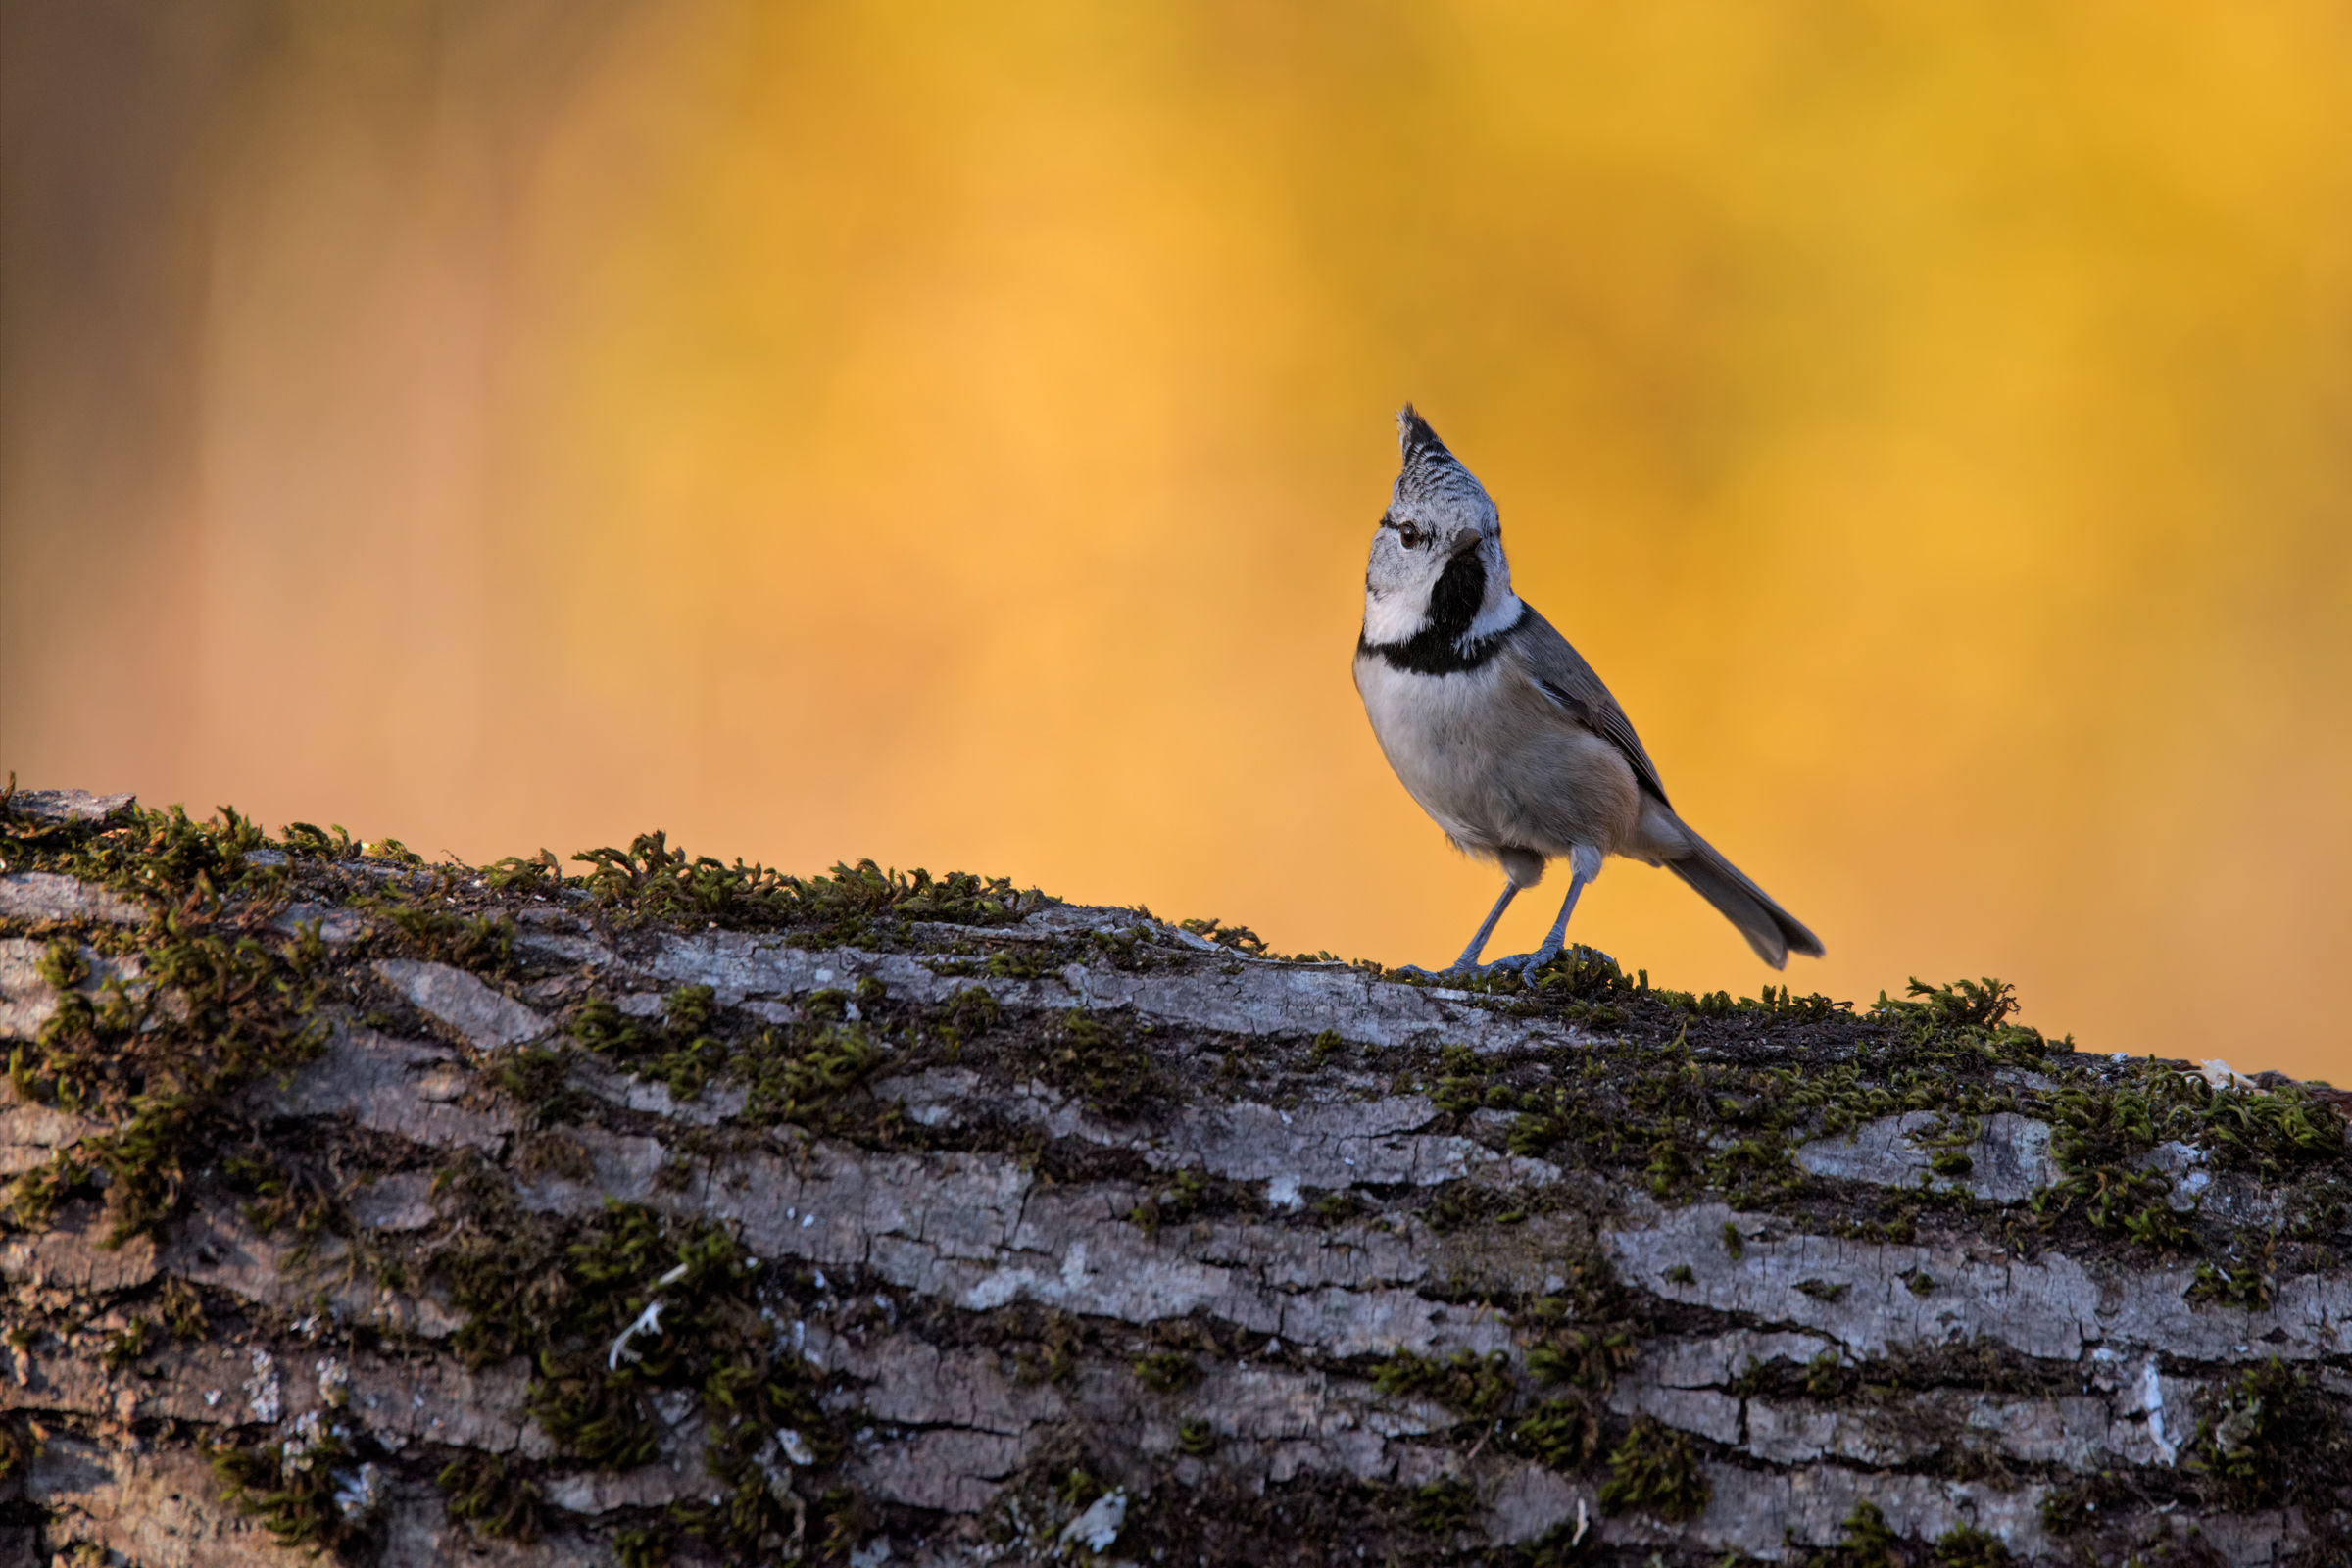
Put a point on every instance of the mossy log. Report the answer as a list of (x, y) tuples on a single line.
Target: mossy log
[(688, 1212)]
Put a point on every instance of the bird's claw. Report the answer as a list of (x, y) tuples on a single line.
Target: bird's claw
[(1525, 964), (1521, 964)]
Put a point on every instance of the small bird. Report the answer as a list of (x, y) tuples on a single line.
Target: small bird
[(1501, 731)]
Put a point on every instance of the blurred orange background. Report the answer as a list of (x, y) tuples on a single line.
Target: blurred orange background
[(952, 433)]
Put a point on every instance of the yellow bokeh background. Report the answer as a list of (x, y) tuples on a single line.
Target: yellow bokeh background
[(951, 434)]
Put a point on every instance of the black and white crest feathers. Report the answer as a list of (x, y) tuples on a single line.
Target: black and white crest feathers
[(1432, 479)]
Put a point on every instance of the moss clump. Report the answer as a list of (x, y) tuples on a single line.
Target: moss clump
[(20, 1445), (1564, 1432), (2074, 1510), (642, 1546), (794, 1073), (1098, 1061), (296, 1489), (2098, 1133), (216, 1008), (1865, 1541), (1171, 1204), (1653, 1470), (2102, 1132), (2273, 1439), (420, 926), (1473, 1386), (1684, 1102), (1167, 1371), (491, 1499), (2246, 1281), (1660, 1109), (1589, 1358), (650, 883), (617, 1310), (1967, 1546), (1446, 1508), (163, 859), (123, 1348)]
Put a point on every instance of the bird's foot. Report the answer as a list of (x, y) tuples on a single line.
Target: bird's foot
[(1457, 970), (1521, 964), (1525, 964)]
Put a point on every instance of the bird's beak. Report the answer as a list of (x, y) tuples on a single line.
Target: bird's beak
[(1469, 544)]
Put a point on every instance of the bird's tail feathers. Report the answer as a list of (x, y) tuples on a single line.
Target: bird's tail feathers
[(1771, 930)]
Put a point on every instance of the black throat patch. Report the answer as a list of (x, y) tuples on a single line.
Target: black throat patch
[(1445, 647)]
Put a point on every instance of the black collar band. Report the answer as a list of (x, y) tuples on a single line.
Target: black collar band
[(1434, 650)]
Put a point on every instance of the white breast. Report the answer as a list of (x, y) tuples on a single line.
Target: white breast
[(1441, 733)]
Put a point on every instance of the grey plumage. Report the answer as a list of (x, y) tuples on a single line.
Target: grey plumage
[(1500, 730)]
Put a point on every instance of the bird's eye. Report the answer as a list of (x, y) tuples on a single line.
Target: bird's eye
[(1409, 536)]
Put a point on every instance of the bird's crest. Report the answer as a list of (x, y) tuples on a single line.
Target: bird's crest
[(1433, 478)]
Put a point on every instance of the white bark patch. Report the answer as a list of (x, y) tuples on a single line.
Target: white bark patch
[(487, 1018), (46, 896)]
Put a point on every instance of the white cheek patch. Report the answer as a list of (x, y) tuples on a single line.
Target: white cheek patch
[(1498, 614), (1392, 617)]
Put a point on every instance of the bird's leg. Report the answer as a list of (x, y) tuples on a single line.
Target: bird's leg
[(1528, 963), (1478, 944), (1468, 961)]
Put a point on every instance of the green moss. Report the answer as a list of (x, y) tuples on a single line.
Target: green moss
[(20, 1445), (1339, 1206), (1564, 1432), (1098, 1061), (124, 1350), (1240, 938), (541, 875), (648, 882), (1967, 1546), (1459, 1205), (183, 1311), (219, 1008), (1171, 1204), (1473, 1386), (796, 1073), (1588, 1358), (492, 1499), (1446, 1508), (2074, 1510), (2274, 1439), (423, 929), (292, 1489), (2246, 1281), (1461, 1085), (643, 1546), (620, 1308), (1048, 1341), (1653, 1470), (163, 858), (1194, 1439), (539, 1079), (1867, 1540), (1167, 1371)]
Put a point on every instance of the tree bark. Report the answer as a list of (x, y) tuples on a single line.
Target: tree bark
[(419, 1214)]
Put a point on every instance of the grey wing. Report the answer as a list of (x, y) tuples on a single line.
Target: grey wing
[(1562, 675)]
